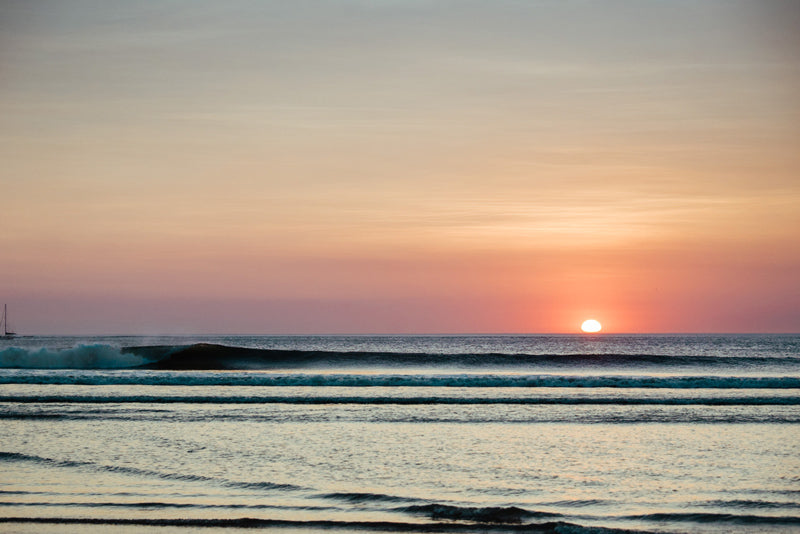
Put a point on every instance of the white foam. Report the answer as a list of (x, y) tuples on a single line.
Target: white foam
[(113, 360), (80, 357)]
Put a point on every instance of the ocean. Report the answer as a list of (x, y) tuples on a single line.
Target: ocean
[(528, 433)]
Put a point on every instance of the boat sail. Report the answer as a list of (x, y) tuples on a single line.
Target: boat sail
[(4, 321)]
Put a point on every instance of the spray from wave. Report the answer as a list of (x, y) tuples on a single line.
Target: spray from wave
[(80, 357)]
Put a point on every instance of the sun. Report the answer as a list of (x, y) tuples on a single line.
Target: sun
[(591, 326)]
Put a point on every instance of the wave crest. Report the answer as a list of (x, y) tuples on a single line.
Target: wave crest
[(80, 357)]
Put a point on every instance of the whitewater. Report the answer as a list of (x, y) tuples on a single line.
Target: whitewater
[(570, 433)]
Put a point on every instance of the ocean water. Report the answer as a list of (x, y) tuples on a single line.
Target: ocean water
[(571, 434)]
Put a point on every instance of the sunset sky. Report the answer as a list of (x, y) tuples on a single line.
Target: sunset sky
[(388, 166)]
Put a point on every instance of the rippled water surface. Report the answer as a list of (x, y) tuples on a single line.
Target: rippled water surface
[(667, 434)]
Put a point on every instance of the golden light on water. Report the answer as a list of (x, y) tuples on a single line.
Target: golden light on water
[(591, 326)]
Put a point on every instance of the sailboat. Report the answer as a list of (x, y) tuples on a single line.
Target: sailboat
[(4, 322)]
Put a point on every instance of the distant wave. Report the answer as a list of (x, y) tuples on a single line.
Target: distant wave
[(415, 400), (157, 378), (551, 527), (646, 414), (204, 356)]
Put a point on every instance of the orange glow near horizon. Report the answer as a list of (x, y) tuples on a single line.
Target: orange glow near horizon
[(307, 174)]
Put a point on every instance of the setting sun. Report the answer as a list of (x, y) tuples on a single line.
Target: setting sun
[(591, 326)]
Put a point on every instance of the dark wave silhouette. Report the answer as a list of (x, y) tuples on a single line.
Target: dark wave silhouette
[(205, 356), (208, 356)]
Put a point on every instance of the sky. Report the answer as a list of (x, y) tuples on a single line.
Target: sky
[(388, 166)]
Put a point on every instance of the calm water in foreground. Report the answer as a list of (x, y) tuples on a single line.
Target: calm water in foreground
[(413, 434)]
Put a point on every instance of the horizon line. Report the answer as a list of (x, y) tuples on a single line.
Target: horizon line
[(407, 334)]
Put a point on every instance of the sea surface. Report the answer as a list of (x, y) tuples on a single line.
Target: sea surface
[(534, 433)]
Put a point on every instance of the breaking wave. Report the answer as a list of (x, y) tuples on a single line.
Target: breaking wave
[(204, 356), (80, 357)]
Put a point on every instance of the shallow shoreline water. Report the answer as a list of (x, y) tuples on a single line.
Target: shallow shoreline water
[(417, 434)]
